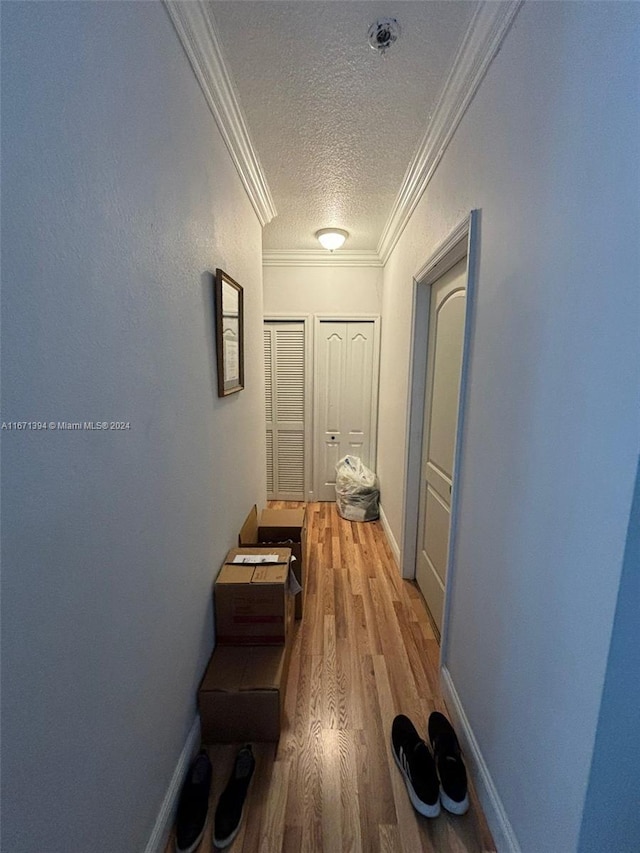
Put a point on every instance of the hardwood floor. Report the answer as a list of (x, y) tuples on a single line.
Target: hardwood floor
[(364, 652)]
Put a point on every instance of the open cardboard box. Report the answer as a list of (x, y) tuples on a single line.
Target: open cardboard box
[(286, 527), (252, 604)]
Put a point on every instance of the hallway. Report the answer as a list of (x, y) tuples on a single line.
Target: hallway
[(364, 652), (146, 146)]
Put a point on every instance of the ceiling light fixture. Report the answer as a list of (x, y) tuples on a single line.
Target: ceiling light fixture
[(332, 238)]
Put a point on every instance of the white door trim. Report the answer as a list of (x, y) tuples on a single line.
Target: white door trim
[(348, 318), (308, 391), (463, 240)]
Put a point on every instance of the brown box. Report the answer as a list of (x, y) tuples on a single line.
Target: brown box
[(251, 601), (284, 527), (241, 697), (251, 606)]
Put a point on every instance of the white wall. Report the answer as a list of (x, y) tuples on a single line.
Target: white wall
[(119, 200), (322, 290), (548, 152), (611, 819)]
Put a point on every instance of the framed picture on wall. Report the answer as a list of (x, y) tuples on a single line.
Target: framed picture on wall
[(229, 334)]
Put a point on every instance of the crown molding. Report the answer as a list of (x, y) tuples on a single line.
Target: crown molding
[(481, 43), (320, 258), (196, 30)]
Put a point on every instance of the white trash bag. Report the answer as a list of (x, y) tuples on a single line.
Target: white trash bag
[(357, 493)]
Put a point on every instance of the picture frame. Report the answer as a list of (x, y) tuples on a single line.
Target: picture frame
[(229, 312)]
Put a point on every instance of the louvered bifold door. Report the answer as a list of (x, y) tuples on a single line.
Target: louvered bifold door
[(285, 386), (269, 383)]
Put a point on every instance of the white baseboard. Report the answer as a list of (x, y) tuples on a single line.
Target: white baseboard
[(501, 829), (166, 815), (391, 539)]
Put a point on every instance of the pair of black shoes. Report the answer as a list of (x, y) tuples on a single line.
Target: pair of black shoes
[(193, 805), (431, 778)]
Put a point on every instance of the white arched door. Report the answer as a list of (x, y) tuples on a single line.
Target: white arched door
[(447, 312)]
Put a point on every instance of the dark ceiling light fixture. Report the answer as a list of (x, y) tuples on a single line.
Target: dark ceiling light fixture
[(383, 33)]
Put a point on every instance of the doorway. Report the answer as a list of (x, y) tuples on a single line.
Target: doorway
[(443, 305)]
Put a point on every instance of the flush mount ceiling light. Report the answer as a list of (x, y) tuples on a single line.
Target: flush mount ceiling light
[(383, 33), (332, 238)]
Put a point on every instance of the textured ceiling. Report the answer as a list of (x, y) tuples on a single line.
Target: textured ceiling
[(334, 124)]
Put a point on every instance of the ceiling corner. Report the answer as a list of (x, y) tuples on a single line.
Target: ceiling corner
[(196, 30), (480, 44)]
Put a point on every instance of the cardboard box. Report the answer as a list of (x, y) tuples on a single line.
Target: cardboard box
[(252, 604), (241, 697), (284, 527)]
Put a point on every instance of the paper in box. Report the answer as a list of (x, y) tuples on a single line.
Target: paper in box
[(252, 605)]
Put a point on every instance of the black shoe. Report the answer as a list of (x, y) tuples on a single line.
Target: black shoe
[(193, 804), (416, 764), (230, 805), (449, 764)]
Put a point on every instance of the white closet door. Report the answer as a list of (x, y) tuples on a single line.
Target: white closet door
[(358, 395), (284, 356), (344, 379)]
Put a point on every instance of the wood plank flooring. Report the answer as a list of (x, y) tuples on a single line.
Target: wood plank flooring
[(364, 652)]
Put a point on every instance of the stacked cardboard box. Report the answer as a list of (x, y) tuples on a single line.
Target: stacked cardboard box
[(242, 693), (282, 527), (251, 598)]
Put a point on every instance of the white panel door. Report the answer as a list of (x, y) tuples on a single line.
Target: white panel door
[(344, 378), (444, 363), (284, 357)]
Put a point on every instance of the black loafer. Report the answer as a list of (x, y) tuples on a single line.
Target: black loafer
[(193, 805), (452, 773), (231, 803)]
